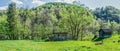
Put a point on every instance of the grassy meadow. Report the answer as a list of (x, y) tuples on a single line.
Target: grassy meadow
[(30, 45), (37, 25)]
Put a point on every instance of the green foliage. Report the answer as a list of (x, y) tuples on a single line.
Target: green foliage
[(13, 21), (37, 23), (108, 13), (3, 27), (77, 19)]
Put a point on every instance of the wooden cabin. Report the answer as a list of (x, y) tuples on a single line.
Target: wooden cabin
[(105, 33), (58, 36)]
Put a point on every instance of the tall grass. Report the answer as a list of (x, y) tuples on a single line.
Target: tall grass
[(109, 44)]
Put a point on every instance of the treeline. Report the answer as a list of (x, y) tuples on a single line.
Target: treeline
[(37, 23)]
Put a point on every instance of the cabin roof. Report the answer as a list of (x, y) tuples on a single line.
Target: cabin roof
[(106, 30), (60, 33)]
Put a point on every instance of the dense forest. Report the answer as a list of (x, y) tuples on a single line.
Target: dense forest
[(36, 23)]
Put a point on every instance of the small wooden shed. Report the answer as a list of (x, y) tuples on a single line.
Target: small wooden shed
[(105, 33), (59, 36)]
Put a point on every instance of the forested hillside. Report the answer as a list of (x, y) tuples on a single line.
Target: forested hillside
[(37, 23), (108, 13)]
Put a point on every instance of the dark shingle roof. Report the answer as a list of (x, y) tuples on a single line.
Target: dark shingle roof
[(59, 32), (106, 30)]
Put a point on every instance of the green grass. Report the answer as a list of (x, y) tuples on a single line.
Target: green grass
[(29, 45)]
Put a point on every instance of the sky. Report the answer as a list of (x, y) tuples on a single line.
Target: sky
[(92, 4)]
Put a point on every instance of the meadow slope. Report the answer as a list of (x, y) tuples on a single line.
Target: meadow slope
[(29, 45)]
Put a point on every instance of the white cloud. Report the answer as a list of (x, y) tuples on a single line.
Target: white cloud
[(3, 7), (69, 1), (38, 2), (17, 1), (41, 2), (66, 1)]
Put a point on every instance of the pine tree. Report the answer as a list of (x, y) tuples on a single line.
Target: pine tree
[(12, 20)]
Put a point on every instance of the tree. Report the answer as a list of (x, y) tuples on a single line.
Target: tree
[(13, 21), (77, 20), (115, 27), (108, 13)]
